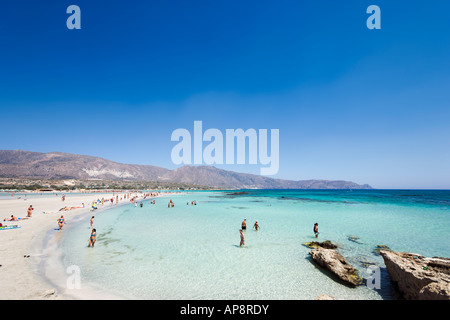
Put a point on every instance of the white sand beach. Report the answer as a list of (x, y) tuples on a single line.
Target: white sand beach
[(22, 249)]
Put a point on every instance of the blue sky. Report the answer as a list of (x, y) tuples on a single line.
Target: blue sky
[(370, 106)]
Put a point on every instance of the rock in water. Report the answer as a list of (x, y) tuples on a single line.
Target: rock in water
[(417, 277), (354, 239), (326, 244), (380, 247), (336, 263)]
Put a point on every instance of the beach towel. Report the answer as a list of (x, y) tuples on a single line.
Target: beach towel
[(9, 227)]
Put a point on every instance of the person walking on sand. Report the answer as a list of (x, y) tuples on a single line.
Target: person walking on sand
[(316, 229), (244, 224), (256, 226), (92, 222), (60, 222), (242, 239), (92, 238), (30, 211)]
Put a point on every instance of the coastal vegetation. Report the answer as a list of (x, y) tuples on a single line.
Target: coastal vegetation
[(17, 184)]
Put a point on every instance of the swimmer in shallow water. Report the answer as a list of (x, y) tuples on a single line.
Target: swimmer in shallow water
[(92, 238), (242, 243)]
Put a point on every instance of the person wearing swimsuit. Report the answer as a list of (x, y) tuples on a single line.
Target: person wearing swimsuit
[(30, 211), (60, 222), (242, 243), (92, 238), (244, 224)]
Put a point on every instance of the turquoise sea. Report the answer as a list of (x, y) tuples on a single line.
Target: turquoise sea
[(192, 251)]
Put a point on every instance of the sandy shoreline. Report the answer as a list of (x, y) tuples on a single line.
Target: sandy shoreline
[(27, 278)]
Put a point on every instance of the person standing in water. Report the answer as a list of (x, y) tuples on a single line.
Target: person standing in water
[(256, 226), (92, 222), (92, 238), (242, 243), (244, 224), (316, 229)]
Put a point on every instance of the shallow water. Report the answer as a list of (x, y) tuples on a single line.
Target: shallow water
[(192, 252)]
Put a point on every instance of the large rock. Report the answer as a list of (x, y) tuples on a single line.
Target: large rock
[(336, 263), (417, 277)]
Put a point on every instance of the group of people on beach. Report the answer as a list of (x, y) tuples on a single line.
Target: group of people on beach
[(93, 235), (14, 218), (134, 199)]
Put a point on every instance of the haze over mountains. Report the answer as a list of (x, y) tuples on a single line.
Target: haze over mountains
[(57, 165)]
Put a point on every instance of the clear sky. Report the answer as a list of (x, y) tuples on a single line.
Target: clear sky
[(370, 106)]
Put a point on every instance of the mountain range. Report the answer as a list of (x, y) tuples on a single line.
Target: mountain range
[(58, 165)]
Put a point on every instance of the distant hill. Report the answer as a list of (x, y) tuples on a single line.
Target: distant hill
[(57, 165)]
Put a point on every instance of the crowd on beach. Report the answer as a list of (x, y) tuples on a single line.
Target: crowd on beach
[(96, 204), (131, 197)]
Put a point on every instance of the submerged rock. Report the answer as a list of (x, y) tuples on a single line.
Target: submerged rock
[(336, 263), (380, 247), (237, 193), (325, 244), (417, 277), (354, 239), (367, 263)]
